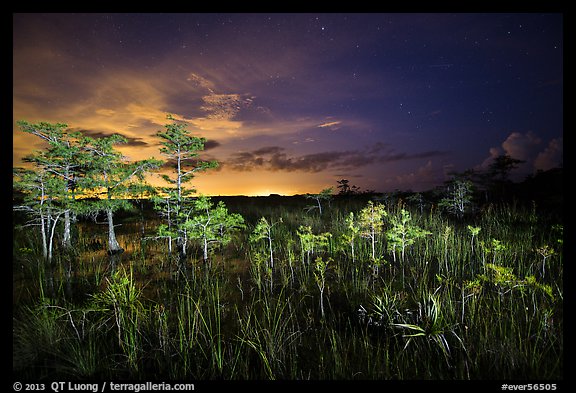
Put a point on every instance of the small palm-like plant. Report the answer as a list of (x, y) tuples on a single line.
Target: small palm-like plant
[(386, 310), (121, 307), (430, 326)]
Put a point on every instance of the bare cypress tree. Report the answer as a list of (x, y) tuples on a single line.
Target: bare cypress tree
[(40, 203)]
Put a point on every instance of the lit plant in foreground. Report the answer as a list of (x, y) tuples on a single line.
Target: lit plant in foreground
[(352, 231), (120, 304), (474, 231), (371, 223), (430, 325), (212, 225), (494, 247), (311, 242), (320, 268), (546, 252), (263, 230), (403, 234)]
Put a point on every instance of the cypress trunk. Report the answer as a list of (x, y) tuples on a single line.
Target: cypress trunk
[(113, 245)]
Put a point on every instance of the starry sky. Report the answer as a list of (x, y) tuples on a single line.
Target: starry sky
[(292, 103)]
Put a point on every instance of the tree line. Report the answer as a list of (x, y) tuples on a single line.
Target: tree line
[(77, 175)]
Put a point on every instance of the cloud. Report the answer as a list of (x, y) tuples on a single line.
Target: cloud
[(528, 148), (131, 141), (423, 178), (275, 158), (105, 112), (133, 102), (551, 157), (268, 150), (522, 146), (224, 106), (330, 124), (201, 82), (228, 95), (211, 144)]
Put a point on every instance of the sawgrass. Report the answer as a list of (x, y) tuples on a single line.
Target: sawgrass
[(451, 305)]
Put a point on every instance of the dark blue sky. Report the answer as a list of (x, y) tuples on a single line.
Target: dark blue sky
[(291, 103)]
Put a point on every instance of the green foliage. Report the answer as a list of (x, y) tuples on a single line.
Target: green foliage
[(320, 268), (312, 243), (504, 279), (545, 288), (418, 200), (123, 310), (212, 225), (324, 195), (182, 150), (559, 230), (109, 176), (350, 234), (430, 325), (51, 188), (459, 198), (474, 231), (546, 252), (263, 230), (500, 275), (371, 224), (113, 180), (387, 309), (403, 234), (488, 314), (495, 248)]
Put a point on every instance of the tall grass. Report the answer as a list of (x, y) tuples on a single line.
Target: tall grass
[(444, 302)]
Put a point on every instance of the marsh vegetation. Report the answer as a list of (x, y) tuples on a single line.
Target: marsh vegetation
[(372, 288)]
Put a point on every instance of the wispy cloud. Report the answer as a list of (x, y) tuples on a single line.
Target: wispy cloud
[(329, 124), (275, 158), (223, 106), (201, 82)]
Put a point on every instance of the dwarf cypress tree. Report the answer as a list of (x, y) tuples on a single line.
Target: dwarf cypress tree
[(182, 150), (58, 175), (113, 180)]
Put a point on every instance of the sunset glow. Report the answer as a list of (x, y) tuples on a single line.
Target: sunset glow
[(291, 103)]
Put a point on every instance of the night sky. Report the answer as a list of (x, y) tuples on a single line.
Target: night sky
[(291, 103)]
